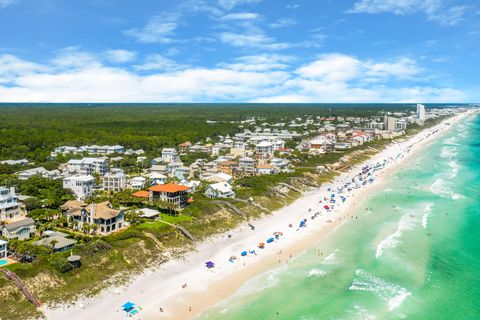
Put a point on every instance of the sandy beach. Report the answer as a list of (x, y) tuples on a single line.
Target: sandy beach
[(163, 288)]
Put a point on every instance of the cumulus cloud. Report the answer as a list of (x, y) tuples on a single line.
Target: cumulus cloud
[(435, 10), (77, 76), (284, 22)]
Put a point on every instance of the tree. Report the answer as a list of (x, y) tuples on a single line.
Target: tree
[(32, 203), (53, 242)]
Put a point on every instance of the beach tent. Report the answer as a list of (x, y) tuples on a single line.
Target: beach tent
[(127, 307), (261, 245), (326, 207), (270, 240), (244, 253), (209, 264)]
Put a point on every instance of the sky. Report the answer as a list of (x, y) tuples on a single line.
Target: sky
[(284, 51)]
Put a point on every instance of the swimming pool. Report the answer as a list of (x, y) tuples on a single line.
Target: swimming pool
[(3, 262)]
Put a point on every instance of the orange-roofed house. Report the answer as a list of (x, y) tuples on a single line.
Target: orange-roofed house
[(170, 192), (141, 194)]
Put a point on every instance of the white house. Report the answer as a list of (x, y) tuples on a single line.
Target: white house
[(19, 229), (80, 185), (279, 164), (264, 169), (88, 166), (138, 183), (264, 148), (115, 180), (157, 178), (3, 249), (9, 206), (220, 190), (15, 162), (219, 177), (169, 155), (27, 174)]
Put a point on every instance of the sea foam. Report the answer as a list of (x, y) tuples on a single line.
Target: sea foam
[(440, 187), (392, 294), (392, 240), (331, 258), (317, 273), (448, 152)]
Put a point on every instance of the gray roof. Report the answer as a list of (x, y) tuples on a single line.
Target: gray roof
[(26, 222), (61, 242)]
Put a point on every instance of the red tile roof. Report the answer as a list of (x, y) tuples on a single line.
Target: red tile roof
[(169, 187)]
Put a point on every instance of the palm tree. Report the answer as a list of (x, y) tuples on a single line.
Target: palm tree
[(94, 227), (53, 242)]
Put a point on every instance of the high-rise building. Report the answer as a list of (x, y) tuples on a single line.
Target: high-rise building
[(421, 116)]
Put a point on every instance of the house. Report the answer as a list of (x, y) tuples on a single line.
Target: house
[(228, 167), (192, 185), (141, 194), (20, 162), (80, 185), (148, 213), (27, 174), (264, 149), (20, 229), (115, 180), (157, 178), (169, 155), (87, 166), (183, 147), (246, 166), (170, 192), (3, 249), (138, 182), (57, 241), (284, 151), (280, 165), (264, 169), (220, 190), (102, 214), (159, 168), (220, 177), (9, 206)]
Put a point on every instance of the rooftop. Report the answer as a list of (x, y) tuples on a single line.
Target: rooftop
[(169, 187)]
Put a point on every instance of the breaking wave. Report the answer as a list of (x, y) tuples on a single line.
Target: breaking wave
[(391, 293), (454, 167), (426, 214), (441, 188), (392, 240), (331, 258), (448, 152), (317, 273)]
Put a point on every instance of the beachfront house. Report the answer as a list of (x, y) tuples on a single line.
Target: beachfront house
[(229, 167), (20, 229), (170, 192), (9, 206), (138, 183), (264, 169), (264, 149), (57, 241), (157, 178), (39, 172), (219, 177), (3, 248), (115, 180), (220, 190), (80, 185), (102, 214)]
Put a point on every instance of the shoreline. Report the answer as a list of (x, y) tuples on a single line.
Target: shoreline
[(162, 288)]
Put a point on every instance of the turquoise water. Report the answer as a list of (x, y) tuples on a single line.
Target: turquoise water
[(414, 254), (3, 262)]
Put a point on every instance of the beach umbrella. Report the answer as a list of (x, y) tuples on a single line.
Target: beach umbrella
[(270, 240), (209, 264), (244, 253), (278, 234), (326, 207), (261, 245)]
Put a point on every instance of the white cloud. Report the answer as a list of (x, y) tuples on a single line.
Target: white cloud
[(76, 76), (120, 55), (292, 6), (230, 4), (157, 62), (284, 22), (252, 40), (240, 16), (159, 29), (435, 10), (263, 62), (6, 3)]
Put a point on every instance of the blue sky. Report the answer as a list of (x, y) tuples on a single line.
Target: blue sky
[(239, 51)]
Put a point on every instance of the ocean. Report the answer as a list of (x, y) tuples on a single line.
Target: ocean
[(413, 252)]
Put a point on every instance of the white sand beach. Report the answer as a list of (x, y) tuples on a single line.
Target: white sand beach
[(163, 288)]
